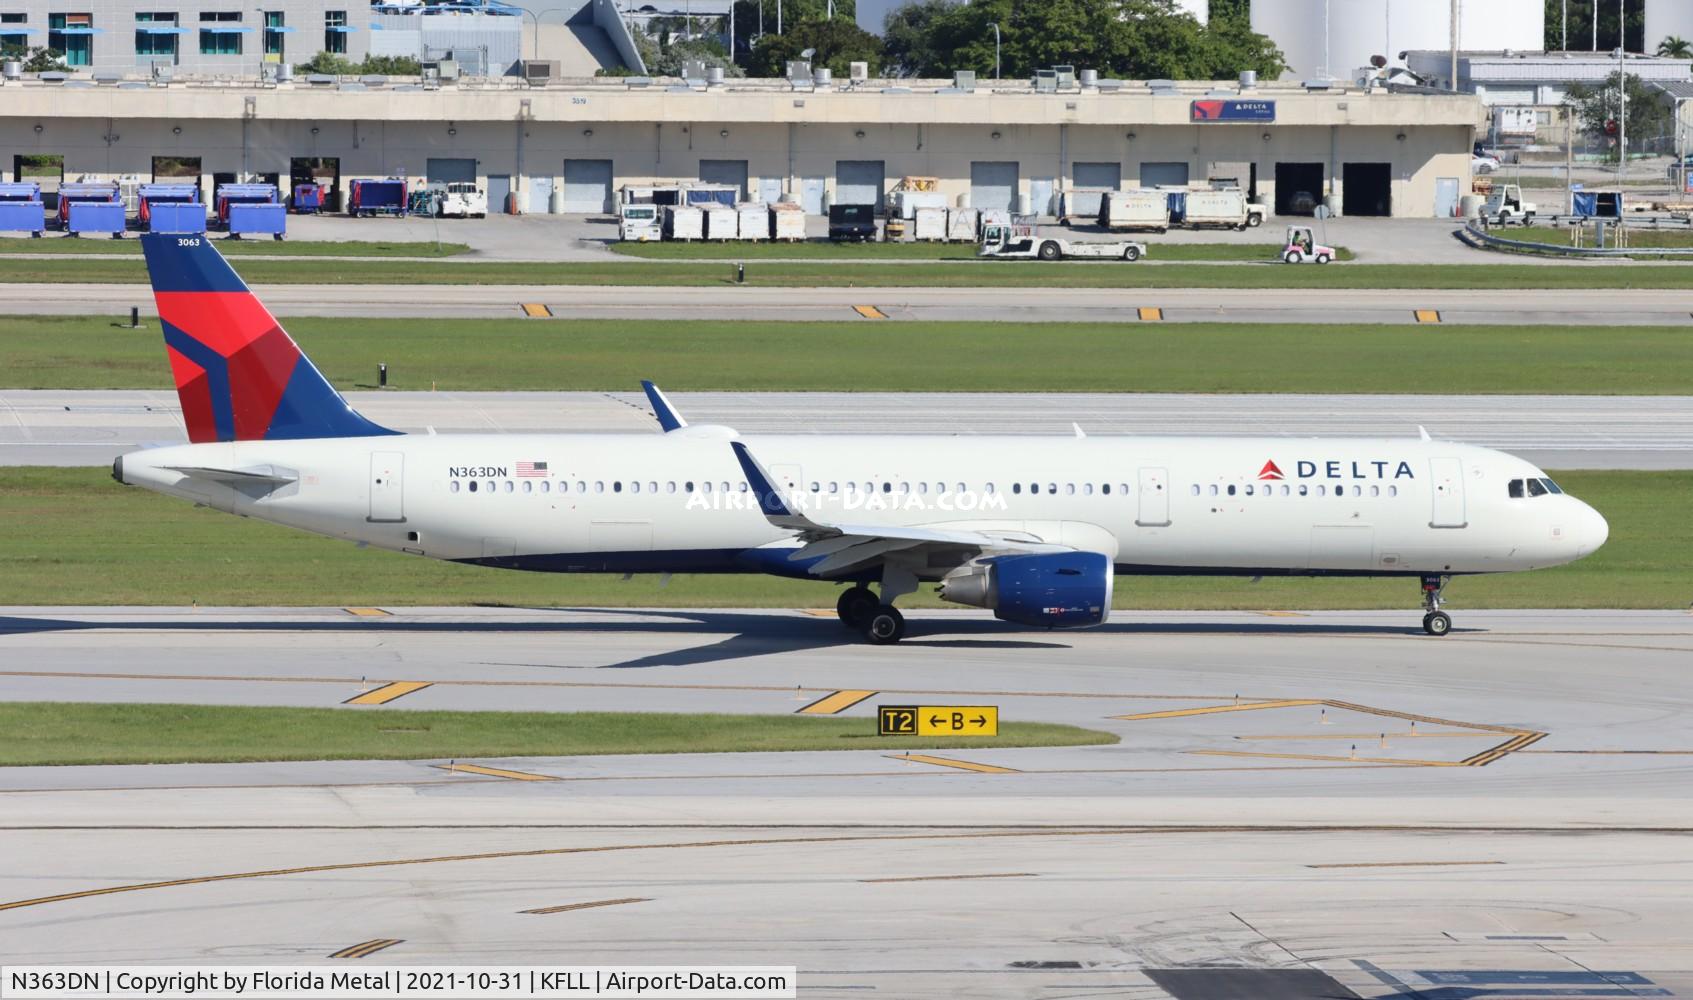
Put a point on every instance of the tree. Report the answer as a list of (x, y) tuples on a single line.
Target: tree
[(838, 43), (1595, 107), (1581, 26), (36, 60), (331, 64), (1134, 39), (1675, 47), (327, 64)]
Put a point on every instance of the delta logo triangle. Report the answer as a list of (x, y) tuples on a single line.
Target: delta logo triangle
[(1270, 471)]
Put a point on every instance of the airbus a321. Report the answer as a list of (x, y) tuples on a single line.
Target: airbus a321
[(1034, 529)]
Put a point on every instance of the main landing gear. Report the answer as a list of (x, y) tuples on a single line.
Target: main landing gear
[(862, 611), (1435, 622)]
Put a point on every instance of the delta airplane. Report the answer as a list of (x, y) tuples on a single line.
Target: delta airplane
[(1033, 529)]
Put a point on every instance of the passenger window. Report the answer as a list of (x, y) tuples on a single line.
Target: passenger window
[(816, 487), (723, 487), (1393, 491), (1069, 489), (652, 487), (835, 485), (905, 489), (689, 486), (546, 487), (707, 485), (489, 485), (528, 486), (669, 487), (923, 488), (869, 487), (1375, 491), (887, 487), (940, 487), (743, 486), (1322, 490), (617, 486), (1516, 489), (1304, 490), (1231, 489), (473, 486), (1195, 489), (599, 486), (1105, 488), (635, 486), (1124, 487), (1536, 488), (1248, 489), (453, 487), (990, 488), (1286, 490), (1087, 489), (1017, 488), (961, 488), (1052, 488)]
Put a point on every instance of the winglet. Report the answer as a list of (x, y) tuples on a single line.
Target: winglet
[(770, 500), (668, 417), (1423, 432), (1078, 427)]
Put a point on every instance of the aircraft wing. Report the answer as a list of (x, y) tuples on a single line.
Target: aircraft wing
[(838, 548)]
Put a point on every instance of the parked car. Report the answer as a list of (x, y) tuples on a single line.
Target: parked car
[(1484, 163), (1675, 168)]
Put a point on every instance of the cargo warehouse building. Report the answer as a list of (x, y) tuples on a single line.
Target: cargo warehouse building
[(1011, 146)]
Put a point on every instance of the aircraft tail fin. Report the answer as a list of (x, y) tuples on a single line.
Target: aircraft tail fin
[(238, 374)]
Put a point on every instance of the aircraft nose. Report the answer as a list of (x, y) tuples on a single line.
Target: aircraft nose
[(1592, 531)]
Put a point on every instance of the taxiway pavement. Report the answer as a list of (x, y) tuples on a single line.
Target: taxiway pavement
[(1502, 811), (92, 427), (1490, 306)]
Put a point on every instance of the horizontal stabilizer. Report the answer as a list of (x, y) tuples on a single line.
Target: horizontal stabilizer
[(257, 474)]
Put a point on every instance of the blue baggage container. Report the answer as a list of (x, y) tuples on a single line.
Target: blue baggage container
[(21, 210), (377, 197), (308, 198), (95, 217), (177, 217), (85, 193), (704, 196), (230, 195), (258, 219)]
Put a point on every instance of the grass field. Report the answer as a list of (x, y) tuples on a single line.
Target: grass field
[(891, 274), (78, 733), (76, 537), (871, 252), (517, 354), (237, 248)]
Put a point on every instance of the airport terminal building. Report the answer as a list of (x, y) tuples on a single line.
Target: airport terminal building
[(568, 145)]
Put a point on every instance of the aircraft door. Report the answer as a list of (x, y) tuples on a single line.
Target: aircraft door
[(1447, 480), (1154, 511), (387, 486)]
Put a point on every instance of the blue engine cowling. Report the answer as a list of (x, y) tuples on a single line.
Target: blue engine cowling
[(1056, 590)]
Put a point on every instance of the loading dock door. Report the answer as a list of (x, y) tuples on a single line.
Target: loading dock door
[(587, 186), (1367, 190), (499, 192), (859, 182), (811, 195), (1163, 175), (1299, 188), (1093, 177), (731, 173), (993, 184), (1445, 197), (442, 170)]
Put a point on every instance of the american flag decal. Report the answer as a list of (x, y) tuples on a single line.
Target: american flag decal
[(532, 470)]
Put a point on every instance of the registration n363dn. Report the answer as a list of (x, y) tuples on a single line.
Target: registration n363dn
[(1033, 529)]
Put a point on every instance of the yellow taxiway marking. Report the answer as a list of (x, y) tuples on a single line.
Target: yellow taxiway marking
[(495, 772), (1403, 735), (368, 612), (387, 693), (1406, 864), (1510, 746), (536, 310), (1284, 614), (1329, 757), (948, 878), (834, 704), (1661, 753), (1175, 713), (1427, 315), (869, 312), (364, 948), (818, 612), (962, 765), (1150, 314), (566, 908)]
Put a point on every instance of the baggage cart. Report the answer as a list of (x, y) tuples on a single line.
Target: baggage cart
[(684, 222), (753, 221)]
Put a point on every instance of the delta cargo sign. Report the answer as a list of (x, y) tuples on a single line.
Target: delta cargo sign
[(1234, 111)]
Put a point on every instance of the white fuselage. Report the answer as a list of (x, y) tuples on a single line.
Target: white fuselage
[(639, 503)]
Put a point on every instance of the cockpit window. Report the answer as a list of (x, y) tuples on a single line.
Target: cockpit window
[(1516, 489), (1551, 486), (1537, 488)]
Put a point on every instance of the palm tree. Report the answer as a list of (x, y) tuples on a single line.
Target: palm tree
[(1674, 47)]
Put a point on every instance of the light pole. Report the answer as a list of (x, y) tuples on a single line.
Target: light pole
[(1622, 117), (996, 50)]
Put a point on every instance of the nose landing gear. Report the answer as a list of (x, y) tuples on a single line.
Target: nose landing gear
[(1435, 621)]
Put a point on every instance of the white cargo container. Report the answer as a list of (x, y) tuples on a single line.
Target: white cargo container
[(788, 220), (1135, 210), (994, 217), (684, 222), (961, 225), (1227, 208), (722, 222), (753, 220), (907, 203), (930, 224)]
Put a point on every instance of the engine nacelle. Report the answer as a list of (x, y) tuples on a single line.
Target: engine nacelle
[(1056, 590)]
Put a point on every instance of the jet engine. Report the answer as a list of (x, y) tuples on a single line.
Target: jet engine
[(1054, 590)]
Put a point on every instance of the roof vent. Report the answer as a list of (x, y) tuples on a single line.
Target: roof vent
[(1248, 79)]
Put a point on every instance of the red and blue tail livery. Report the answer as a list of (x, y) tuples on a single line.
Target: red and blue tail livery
[(239, 376)]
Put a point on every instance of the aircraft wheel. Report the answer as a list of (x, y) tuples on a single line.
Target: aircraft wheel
[(1049, 251), (1437, 623), (885, 626), (855, 606)]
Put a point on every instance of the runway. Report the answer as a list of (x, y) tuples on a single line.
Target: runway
[(62, 427), (1324, 794), (1491, 306)]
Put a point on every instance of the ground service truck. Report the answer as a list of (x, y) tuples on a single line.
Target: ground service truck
[(1013, 241)]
